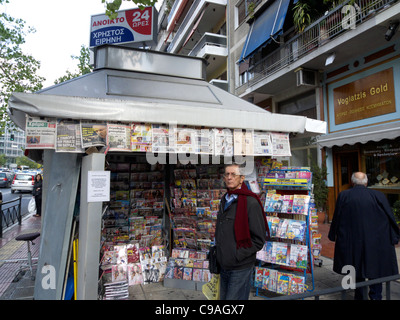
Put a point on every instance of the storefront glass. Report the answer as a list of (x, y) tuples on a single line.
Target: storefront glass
[(382, 164)]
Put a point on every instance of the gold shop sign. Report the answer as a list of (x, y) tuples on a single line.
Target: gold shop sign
[(365, 98)]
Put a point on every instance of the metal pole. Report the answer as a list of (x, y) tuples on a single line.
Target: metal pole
[(19, 210)]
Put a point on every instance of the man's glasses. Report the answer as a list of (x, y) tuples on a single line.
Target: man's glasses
[(233, 175)]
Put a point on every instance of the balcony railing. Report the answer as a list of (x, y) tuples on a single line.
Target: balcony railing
[(208, 39), (316, 35)]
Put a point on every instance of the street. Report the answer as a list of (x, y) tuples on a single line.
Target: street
[(7, 196)]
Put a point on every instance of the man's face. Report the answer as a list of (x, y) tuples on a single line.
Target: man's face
[(232, 177)]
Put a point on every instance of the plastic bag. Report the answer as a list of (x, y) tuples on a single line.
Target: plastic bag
[(211, 289), (32, 206)]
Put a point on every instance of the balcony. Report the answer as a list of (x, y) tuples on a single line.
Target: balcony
[(350, 34), (213, 48), (201, 17)]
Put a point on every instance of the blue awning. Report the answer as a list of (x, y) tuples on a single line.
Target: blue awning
[(269, 24)]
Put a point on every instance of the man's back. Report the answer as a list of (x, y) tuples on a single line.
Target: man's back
[(364, 229)]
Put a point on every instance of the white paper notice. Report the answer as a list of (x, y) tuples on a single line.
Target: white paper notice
[(98, 186)]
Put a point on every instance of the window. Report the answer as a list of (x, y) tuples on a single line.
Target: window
[(382, 163)]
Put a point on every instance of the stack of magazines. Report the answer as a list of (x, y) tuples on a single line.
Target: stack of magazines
[(116, 290)]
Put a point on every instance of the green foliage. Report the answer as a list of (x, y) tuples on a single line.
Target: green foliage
[(113, 6), (18, 71), (319, 175), (3, 160), (396, 210), (84, 66), (307, 11), (25, 161)]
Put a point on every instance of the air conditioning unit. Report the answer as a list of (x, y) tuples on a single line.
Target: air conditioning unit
[(306, 77)]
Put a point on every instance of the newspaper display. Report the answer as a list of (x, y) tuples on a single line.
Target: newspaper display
[(93, 134), (280, 144), (185, 140), (243, 142), (118, 137), (40, 133), (160, 138), (74, 136), (69, 136), (223, 142), (141, 137), (262, 143), (204, 141)]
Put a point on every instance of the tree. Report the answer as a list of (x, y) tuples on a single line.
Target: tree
[(113, 6), (25, 161), (84, 66), (18, 71)]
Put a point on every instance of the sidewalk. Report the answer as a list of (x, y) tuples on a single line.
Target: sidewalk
[(23, 287)]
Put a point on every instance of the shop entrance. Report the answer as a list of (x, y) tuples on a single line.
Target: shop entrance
[(346, 164)]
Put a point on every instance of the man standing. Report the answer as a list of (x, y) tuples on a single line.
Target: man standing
[(365, 233), (241, 231)]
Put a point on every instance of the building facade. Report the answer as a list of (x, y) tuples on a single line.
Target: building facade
[(12, 144), (342, 68)]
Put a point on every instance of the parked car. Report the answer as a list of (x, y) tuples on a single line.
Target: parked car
[(5, 179), (23, 182)]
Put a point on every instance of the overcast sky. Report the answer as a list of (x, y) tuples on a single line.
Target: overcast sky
[(62, 26)]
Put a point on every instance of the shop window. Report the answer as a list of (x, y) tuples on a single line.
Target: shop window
[(382, 164)]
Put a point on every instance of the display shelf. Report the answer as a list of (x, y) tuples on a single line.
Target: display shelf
[(286, 261)]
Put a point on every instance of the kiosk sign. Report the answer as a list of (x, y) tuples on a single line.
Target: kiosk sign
[(131, 26)]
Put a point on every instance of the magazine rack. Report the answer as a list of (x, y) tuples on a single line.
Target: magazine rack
[(288, 253)]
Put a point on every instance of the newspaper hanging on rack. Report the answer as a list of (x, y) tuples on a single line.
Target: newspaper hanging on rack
[(69, 136), (280, 144), (40, 133)]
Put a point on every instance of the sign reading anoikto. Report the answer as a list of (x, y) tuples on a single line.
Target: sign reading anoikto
[(365, 98), (134, 26)]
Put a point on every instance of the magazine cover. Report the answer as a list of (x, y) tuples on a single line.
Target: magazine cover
[(141, 137), (119, 272), (272, 280), (283, 283), (300, 204), (297, 284), (298, 256), (282, 228), (273, 223), (197, 274), (135, 274), (296, 230), (132, 251), (259, 277), (281, 253)]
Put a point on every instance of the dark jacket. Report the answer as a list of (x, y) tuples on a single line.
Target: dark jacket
[(228, 256), (36, 186), (365, 232)]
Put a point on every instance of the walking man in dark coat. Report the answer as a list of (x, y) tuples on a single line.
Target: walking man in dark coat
[(365, 232)]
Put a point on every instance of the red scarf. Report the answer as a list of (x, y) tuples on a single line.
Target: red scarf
[(242, 230)]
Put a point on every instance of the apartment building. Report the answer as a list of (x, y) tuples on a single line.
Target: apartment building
[(343, 69), (196, 28), (12, 144)]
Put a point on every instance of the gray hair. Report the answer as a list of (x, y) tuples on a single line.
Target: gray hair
[(359, 178), (241, 166)]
